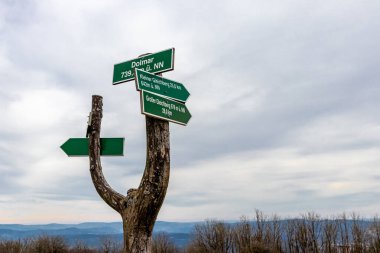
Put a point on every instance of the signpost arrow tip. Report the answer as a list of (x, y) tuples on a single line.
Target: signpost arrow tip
[(108, 146)]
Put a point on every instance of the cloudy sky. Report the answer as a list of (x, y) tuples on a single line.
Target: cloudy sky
[(285, 103)]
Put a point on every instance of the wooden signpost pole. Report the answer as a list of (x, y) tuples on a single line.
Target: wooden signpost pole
[(140, 207)]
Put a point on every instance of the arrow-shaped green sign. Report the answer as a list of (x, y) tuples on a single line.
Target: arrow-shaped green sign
[(164, 108), (108, 147), (155, 63), (160, 85)]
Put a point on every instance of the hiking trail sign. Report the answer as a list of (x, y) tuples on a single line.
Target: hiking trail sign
[(108, 147), (160, 98), (159, 85), (164, 108), (154, 63)]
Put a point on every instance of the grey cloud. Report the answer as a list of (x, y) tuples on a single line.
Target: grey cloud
[(262, 76), (196, 198)]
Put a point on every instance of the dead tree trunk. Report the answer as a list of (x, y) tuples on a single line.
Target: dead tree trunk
[(140, 207)]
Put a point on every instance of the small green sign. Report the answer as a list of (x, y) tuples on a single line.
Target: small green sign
[(164, 108), (154, 63), (108, 146), (160, 85)]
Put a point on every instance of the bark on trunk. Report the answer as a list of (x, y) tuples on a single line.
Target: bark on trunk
[(140, 207)]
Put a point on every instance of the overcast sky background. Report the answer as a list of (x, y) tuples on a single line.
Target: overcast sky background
[(285, 103)]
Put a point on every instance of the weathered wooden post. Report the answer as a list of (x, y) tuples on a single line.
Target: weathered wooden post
[(140, 207)]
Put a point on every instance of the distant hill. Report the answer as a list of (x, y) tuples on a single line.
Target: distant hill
[(93, 234)]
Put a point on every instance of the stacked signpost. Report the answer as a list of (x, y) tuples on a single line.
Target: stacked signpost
[(160, 97), (162, 101)]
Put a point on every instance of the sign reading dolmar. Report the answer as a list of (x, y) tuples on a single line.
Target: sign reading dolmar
[(154, 63)]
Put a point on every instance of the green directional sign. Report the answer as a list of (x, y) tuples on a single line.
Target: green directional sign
[(159, 85), (154, 63), (108, 146), (164, 108)]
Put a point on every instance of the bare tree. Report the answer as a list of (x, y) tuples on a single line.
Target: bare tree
[(46, 244), (330, 236), (344, 242), (374, 234), (140, 207), (358, 235), (212, 237), (273, 234), (260, 227), (109, 245), (314, 230), (163, 244), (302, 237), (290, 232), (243, 235)]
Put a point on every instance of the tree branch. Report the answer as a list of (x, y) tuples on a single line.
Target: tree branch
[(110, 196)]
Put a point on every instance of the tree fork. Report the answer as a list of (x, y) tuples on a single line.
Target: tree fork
[(140, 207)]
